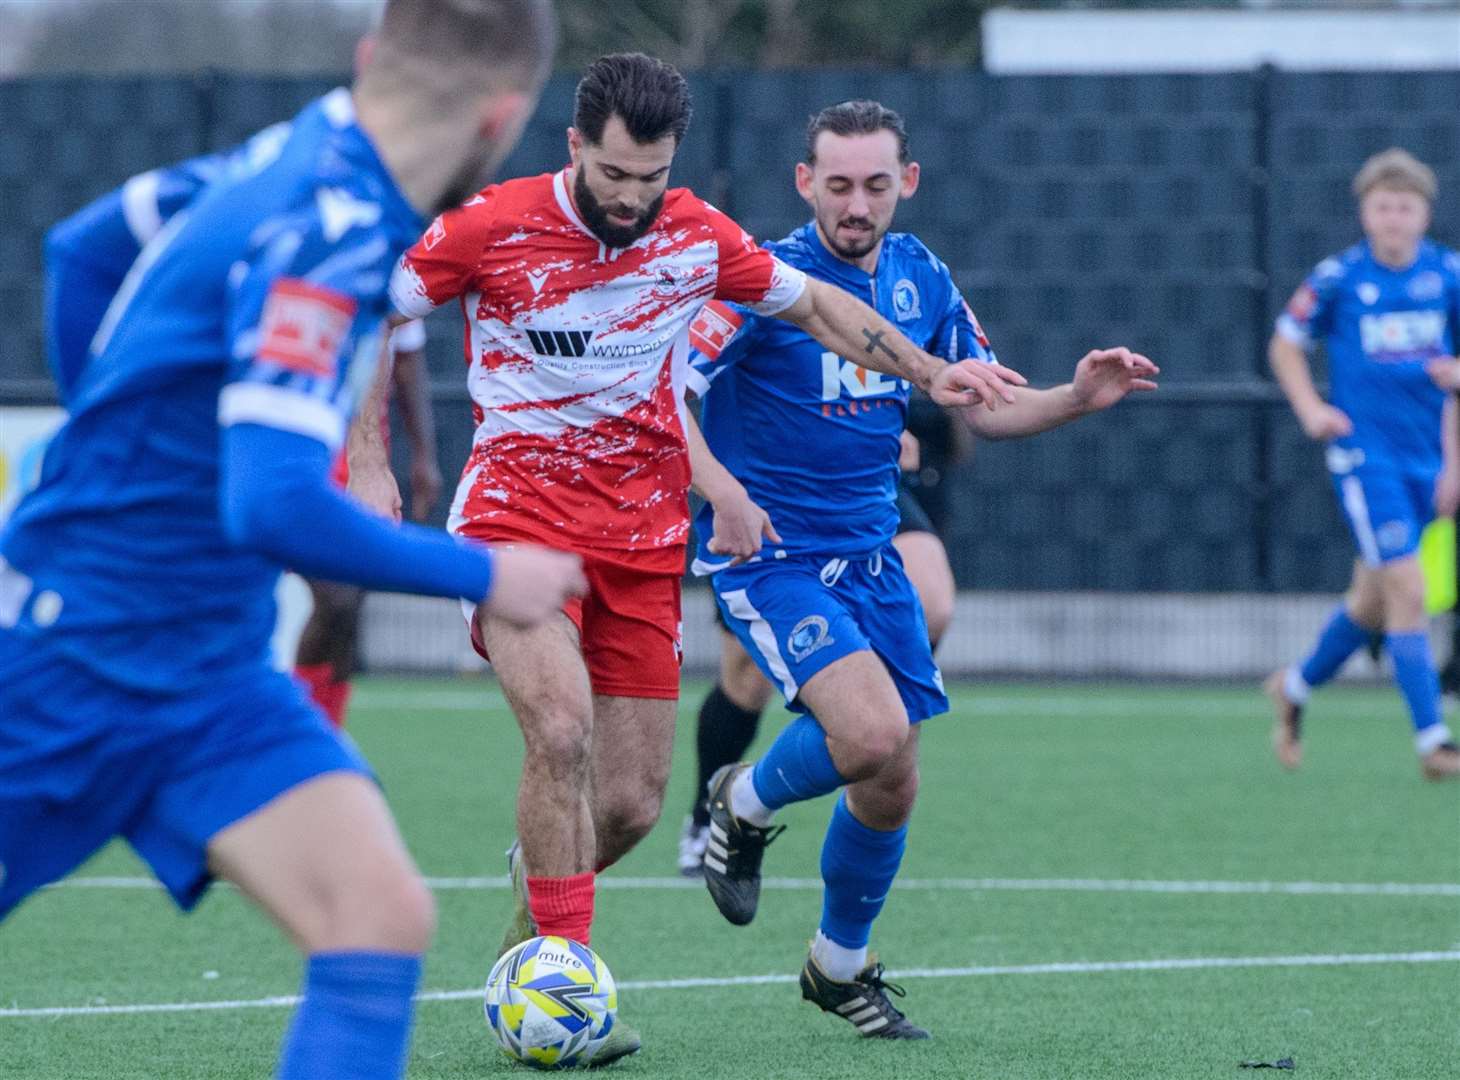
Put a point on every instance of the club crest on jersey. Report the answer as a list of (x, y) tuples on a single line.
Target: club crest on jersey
[(1426, 286), (303, 327), (666, 283), (808, 635), (1368, 292), (435, 234), (906, 304), (713, 328)]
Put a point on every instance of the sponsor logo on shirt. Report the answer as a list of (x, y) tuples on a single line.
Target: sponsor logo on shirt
[(578, 343), (304, 326), (1403, 333), (839, 377)]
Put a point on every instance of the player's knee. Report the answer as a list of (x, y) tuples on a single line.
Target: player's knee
[(869, 750), (558, 740), (631, 817), (386, 907), (938, 611)]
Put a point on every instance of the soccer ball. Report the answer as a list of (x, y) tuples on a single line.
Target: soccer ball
[(551, 1003)]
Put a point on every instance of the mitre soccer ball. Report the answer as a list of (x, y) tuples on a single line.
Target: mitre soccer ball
[(551, 1003)]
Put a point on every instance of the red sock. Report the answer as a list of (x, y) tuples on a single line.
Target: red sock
[(562, 906), (330, 694)]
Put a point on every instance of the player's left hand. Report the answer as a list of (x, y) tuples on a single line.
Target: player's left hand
[(1447, 492), (1105, 376), (425, 486), (972, 382), (1444, 372), (740, 527)]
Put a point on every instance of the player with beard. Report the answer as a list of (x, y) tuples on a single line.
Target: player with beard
[(829, 614), (578, 289)]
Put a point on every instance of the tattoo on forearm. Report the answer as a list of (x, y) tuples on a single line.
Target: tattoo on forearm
[(875, 342)]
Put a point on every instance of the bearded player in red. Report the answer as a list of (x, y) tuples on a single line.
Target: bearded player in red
[(578, 289)]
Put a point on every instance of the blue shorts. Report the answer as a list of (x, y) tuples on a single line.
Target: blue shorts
[(1387, 509), (796, 615), (83, 761)]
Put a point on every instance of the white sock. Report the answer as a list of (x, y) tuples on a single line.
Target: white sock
[(839, 962), (1294, 688), (745, 803), (1430, 738)]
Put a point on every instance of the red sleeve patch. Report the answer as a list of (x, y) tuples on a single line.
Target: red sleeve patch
[(303, 327), (713, 328), (983, 339), (1303, 302), (435, 234)]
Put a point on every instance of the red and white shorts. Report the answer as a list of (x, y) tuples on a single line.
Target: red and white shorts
[(629, 626)]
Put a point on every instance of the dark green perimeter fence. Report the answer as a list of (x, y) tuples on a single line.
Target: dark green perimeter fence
[(1173, 213)]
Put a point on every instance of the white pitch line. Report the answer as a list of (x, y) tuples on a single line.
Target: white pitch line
[(993, 705), (787, 884), (1194, 963)]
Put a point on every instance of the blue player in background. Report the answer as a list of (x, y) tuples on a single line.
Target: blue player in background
[(826, 610), (1387, 311), (136, 581)]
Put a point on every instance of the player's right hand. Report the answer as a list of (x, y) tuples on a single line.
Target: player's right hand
[(1325, 423), (530, 583), (971, 382), (374, 487)]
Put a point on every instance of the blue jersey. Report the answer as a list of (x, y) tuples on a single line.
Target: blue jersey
[(260, 304), (89, 253), (1380, 326), (811, 435)]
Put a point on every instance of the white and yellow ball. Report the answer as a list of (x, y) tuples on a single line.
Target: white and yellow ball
[(551, 1003)]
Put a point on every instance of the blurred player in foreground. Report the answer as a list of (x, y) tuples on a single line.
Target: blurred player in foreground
[(828, 613), (87, 257), (1388, 313), (136, 581), (579, 288), (729, 717), (328, 650)]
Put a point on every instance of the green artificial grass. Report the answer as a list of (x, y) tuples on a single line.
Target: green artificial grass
[(1056, 793)]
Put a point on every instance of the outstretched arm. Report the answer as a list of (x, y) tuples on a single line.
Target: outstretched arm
[(856, 332), (1102, 378)]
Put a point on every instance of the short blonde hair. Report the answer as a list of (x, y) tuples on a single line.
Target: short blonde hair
[(1396, 170)]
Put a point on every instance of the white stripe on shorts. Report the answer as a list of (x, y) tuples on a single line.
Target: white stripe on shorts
[(764, 637), (1357, 508)]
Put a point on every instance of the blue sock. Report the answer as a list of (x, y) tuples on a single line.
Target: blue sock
[(355, 1020), (1414, 671), (1339, 640), (858, 864), (797, 766)]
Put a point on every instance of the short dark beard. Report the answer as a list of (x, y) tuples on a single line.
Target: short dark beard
[(852, 253), (595, 216)]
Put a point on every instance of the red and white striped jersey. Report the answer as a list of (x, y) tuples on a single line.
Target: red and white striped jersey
[(576, 355)]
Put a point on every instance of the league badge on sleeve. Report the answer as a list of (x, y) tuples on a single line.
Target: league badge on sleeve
[(304, 326), (713, 328)]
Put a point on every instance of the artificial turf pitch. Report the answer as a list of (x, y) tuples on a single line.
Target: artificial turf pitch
[(1081, 899)]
